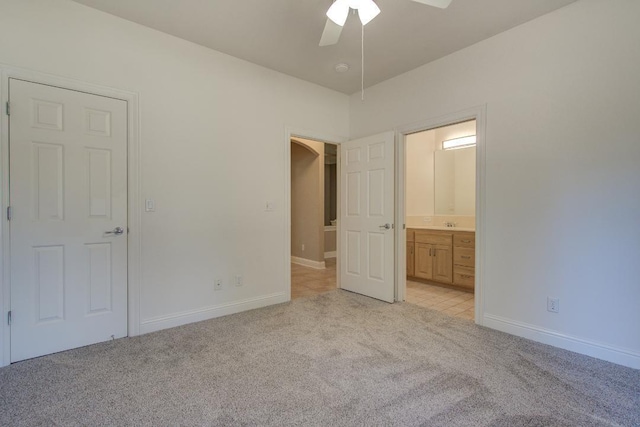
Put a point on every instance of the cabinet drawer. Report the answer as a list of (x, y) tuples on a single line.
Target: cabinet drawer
[(464, 276), (464, 240), (410, 232), (444, 239), (464, 256)]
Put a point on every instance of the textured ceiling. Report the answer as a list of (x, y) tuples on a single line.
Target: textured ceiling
[(283, 34)]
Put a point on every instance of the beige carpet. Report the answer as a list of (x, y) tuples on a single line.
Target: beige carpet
[(332, 360)]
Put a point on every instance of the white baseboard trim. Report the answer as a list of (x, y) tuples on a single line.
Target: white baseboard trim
[(618, 355), (330, 254), (308, 263), (179, 319)]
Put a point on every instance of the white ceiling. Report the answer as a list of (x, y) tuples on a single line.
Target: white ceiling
[(283, 34)]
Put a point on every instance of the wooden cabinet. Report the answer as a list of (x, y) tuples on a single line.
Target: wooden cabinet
[(423, 261), (442, 256), (464, 276), (442, 264), (433, 256), (464, 259), (410, 253)]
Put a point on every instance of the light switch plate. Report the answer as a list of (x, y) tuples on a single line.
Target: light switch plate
[(150, 205)]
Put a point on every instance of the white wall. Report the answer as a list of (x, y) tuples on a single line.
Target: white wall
[(562, 156), (213, 144), (562, 168)]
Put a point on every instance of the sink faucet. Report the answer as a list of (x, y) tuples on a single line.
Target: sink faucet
[(449, 224)]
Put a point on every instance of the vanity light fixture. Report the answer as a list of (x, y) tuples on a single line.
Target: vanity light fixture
[(456, 143)]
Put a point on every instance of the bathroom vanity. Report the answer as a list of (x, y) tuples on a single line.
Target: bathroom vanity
[(442, 255)]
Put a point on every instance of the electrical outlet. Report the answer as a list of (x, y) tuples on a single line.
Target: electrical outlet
[(218, 285), (426, 219), (269, 206), (303, 247), (553, 305), (238, 280)]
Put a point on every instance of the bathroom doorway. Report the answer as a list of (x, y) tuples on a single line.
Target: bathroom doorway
[(440, 218), (314, 213)]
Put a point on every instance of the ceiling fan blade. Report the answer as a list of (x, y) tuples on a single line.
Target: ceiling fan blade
[(331, 33), (442, 4)]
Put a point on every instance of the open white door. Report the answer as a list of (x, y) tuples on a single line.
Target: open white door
[(366, 219), (68, 195)]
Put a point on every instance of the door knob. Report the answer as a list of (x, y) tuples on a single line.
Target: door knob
[(386, 226), (117, 231)]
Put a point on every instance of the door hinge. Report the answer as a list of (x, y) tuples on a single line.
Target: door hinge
[(9, 317), (8, 108), (9, 213)]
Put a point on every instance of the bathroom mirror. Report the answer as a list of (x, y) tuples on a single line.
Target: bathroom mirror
[(455, 182)]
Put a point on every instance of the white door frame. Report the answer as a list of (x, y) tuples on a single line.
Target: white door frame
[(478, 113), (134, 209), (291, 132)]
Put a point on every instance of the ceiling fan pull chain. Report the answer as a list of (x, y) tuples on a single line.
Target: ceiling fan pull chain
[(362, 66)]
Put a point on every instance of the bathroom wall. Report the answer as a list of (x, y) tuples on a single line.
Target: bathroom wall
[(330, 246), (330, 193), (420, 178), (419, 174), (307, 200), (452, 132), (465, 182)]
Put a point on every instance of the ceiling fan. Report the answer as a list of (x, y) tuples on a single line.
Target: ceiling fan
[(367, 10)]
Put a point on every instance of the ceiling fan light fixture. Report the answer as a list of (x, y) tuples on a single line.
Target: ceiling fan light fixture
[(442, 4), (367, 10), (338, 12)]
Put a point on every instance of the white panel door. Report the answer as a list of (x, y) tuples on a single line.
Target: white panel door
[(68, 193), (366, 220)]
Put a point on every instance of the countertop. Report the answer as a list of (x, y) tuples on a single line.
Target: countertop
[(441, 227)]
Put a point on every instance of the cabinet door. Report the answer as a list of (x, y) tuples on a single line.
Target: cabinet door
[(411, 260), (443, 264), (423, 267)]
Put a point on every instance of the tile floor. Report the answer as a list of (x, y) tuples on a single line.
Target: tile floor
[(449, 301), (308, 282)]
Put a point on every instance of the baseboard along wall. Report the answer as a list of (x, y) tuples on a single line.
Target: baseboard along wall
[(179, 319), (609, 353), (318, 265)]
